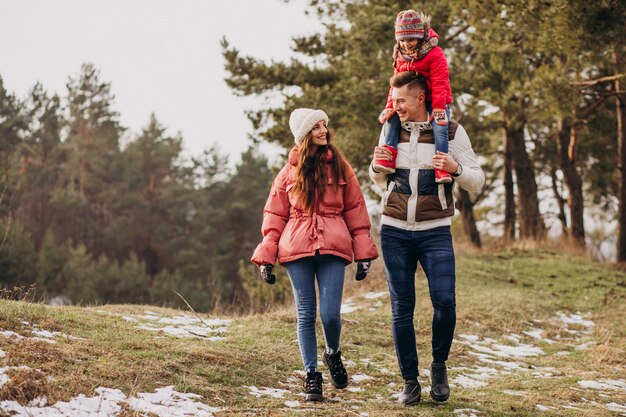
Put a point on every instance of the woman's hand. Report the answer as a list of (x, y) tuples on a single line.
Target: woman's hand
[(362, 268), (266, 274)]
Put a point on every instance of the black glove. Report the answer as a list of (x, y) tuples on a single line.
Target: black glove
[(362, 268), (266, 274)]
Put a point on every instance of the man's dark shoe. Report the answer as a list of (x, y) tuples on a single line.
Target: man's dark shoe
[(313, 386), (338, 373), (439, 388), (412, 393)]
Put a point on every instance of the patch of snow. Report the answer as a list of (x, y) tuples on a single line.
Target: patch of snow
[(512, 392), (9, 334), (167, 401), (360, 377), (355, 389), (618, 408), (585, 346), (292, 404), (375, 295), (520, 351), (514, 337), (470, 337), (3, 354), (610, 384), (544, 407), (348, 307), (543, 375), (577, 318), (264, 391), (537, 334), (466, 412), (164, 401), (467, 382)]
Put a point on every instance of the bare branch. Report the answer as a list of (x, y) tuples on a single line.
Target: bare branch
[(457, 33), (598, 80)]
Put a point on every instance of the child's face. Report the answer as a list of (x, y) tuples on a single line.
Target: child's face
[(408, 45)]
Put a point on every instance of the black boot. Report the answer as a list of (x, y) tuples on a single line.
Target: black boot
[(338, 374), (313, 386), (439, 388), (412, 393)]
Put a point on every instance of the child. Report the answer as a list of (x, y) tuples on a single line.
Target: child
[(416, 50)]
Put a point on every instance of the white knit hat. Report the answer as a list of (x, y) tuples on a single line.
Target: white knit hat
[(302, 121)]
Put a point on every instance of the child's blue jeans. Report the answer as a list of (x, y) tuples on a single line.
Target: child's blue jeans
[(439, 132), (330, 271)]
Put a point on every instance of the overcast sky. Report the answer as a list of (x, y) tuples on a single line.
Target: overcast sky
[(161, 56)]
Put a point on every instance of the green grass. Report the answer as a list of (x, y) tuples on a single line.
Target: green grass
[(497, 294)]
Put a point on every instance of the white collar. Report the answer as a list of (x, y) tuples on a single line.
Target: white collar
[(419, 126)]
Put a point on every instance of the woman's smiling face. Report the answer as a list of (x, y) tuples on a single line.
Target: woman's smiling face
[(319, 134)]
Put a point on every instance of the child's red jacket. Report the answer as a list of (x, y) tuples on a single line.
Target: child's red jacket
[(434, 66)]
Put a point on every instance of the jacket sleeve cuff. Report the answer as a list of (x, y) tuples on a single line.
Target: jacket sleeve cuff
[(265, 253), (364, 248)]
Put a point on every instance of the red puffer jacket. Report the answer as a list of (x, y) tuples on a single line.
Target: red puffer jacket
[(434, 66), (339, 225)]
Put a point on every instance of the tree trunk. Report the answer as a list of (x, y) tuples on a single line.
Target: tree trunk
[(509, 193), (531, 224), (560, 202), (466, 206), (566, 147), (621, 155)]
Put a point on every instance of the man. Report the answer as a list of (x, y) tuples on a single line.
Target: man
[(416, 220)]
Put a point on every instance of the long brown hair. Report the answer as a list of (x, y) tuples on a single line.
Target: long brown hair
[(311, 177)]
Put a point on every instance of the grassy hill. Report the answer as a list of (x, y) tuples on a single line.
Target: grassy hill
[(538, 333)]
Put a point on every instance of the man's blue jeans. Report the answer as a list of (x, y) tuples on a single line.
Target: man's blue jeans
[(330, 272), (402, 250)]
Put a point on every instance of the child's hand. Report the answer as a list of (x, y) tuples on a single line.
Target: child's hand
[(385, 115)]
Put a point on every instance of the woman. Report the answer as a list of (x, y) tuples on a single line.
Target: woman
[(316, 222)]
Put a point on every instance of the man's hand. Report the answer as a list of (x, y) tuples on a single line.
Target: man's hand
[(266, 273), (385, 115), (362, 268), (444, 162)]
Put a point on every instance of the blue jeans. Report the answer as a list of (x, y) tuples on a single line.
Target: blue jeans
[(330, 271), (439, 132), (402, 250)]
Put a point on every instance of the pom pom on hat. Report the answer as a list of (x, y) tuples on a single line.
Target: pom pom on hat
[(302, 121), (411, 25)]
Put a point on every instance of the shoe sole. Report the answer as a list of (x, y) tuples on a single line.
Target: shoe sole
[(439, 399), (314, 397), (412, 402)]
